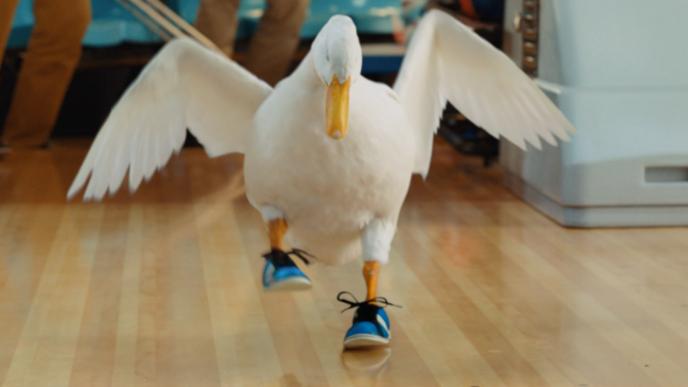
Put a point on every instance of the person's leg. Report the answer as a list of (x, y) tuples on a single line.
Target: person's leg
[(217, 19), (272, 47), (51, 58), (7, 8)]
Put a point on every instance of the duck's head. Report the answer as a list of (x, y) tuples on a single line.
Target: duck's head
[(337, 57)]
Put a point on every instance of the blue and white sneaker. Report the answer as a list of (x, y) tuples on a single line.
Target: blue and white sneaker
[(281, 273), (370, 326)]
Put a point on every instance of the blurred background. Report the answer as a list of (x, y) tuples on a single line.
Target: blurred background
[(118, 43)]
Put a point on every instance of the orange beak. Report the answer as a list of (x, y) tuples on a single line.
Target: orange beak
[(337, 108)]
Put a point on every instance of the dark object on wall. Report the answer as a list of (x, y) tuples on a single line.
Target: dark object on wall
[(527, 23), (483, 10)]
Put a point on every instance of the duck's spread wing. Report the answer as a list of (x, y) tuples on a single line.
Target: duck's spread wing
[(448, 61), (184, 86)]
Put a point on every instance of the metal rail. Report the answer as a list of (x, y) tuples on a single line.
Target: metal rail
[(164, 22)]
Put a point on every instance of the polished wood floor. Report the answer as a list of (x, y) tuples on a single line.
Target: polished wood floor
[(162, 289)]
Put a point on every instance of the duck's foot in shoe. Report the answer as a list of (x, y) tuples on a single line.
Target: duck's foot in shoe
[(280, 272), (370, 327)]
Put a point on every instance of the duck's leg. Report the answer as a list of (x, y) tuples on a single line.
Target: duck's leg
[(376, 242), (371, 270), (277, 228), (371, 326), (280, 272)]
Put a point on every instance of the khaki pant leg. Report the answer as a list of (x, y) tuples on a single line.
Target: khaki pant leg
[(51, 58), (273, 46), (217, 19), (7, 8)]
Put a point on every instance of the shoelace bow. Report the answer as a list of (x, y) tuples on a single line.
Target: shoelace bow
[(278, 256), (353, 302)]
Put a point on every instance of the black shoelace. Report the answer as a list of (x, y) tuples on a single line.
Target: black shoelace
[(367, 310), (281, 258)]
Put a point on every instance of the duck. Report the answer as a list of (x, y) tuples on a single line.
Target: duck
[(328, 154)]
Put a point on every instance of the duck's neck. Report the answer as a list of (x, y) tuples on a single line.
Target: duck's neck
[(305, 73)]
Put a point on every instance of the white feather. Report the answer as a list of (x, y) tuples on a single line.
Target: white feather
[(184, 86), (447, 58)]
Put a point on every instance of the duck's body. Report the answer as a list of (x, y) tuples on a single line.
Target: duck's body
[(328, 190)]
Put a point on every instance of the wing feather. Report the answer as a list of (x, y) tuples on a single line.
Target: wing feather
[(184, 86), (447, 61)]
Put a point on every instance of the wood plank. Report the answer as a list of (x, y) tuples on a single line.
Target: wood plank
[(162, 288)]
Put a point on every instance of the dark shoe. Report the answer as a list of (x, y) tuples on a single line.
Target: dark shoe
[(281, 273), (370, 327)]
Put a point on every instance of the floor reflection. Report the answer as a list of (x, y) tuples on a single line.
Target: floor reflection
[(366, 360)]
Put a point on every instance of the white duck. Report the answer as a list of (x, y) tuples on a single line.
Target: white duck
[(327, 152)]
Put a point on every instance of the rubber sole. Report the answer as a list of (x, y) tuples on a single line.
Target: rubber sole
[(365, 341), (291, 284)]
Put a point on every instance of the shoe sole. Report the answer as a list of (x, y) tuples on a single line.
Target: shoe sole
[(291, 284), (365, 341)]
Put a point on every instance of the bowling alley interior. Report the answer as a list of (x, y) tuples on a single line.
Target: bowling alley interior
[(343, 193)]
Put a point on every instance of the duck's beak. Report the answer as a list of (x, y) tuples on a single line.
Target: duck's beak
[(337, 108)]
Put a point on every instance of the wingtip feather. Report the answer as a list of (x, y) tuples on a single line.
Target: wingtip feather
[(72, 192), (536, 144)]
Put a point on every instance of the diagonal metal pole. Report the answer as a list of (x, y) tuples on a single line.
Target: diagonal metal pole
[(182, 24), (164, 22), (143, 18)]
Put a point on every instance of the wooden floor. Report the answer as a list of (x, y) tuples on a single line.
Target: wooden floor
[(162, 288)]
